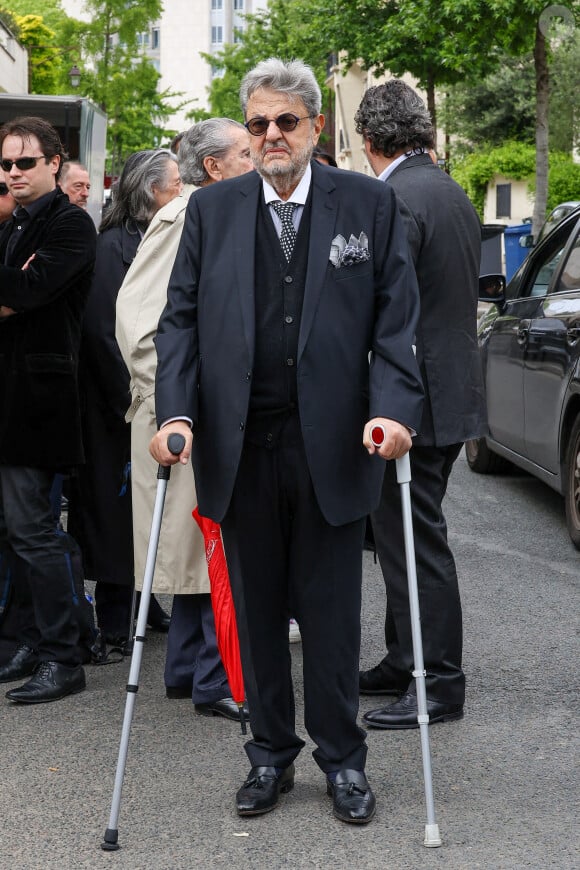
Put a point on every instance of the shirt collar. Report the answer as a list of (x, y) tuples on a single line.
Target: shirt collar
[(300, 194), (392, 166), (34, 208)]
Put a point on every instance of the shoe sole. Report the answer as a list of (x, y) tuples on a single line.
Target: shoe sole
[(445, 717), (397, 692), (284, 789), (234, 717), (48, 700)]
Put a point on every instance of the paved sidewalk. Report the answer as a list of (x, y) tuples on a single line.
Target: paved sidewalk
[(505, 776)]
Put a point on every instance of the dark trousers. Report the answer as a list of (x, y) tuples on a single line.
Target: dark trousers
[(284, 559), (44, 590), (439, 601), (193, 660)]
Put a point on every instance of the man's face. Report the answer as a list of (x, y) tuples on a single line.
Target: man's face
[(28, 185), (281, 158), (77, 185), (237, 160), (7, 201)]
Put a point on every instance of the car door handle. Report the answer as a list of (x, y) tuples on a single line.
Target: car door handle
[(523, 331)]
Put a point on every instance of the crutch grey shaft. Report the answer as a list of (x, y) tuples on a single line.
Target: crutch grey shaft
[(110, 843), (403, 465)]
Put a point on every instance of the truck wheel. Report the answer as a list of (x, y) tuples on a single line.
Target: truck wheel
[(572, 484), (483, 460)]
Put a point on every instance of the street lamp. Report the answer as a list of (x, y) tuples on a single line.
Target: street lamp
[(74, 75)]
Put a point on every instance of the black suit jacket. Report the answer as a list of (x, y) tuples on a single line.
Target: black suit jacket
[(445, 238), (205, 340), (39, 401)]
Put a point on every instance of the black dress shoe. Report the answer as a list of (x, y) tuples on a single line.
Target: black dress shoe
[(225, 707), (22, 664), (157, 619), (261, 790), (382, 680), (50, 682), (403, 713), (178, 692), (352, 797)]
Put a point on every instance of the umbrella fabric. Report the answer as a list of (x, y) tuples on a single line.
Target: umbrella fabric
[(222, 605)]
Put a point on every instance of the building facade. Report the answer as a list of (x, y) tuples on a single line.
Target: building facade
[(13, 63), (176, 43)]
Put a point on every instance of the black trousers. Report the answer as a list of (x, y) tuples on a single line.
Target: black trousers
[(285, 560), (43, 578), (439, 601)]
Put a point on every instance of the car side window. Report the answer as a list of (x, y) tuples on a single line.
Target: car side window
[(540, 272), (543, 277), (570, 275)]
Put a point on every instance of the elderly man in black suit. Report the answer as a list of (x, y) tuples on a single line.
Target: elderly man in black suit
[(445, 238), (47, 253), (286, 280)]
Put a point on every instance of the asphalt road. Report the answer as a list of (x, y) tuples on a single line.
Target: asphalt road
[(505, 777)]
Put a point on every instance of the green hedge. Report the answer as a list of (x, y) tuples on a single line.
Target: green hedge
[(516, 161)]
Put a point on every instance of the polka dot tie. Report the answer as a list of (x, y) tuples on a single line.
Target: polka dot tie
[(285, 210)]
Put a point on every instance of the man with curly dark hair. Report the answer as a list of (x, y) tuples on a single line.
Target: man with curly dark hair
[(444, 236)]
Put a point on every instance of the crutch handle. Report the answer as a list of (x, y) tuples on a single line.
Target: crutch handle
[(175, 443)]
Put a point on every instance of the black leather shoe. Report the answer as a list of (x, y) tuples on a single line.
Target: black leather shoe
[(352, 797), (225, 707), (403, 713), (381, 680), (22, 664), (178, 692), (51, 681), (261, 790), (157, 619)]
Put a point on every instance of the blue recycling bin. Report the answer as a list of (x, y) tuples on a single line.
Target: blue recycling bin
[(515, 252)]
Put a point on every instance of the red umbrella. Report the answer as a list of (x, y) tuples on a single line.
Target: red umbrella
[(223, 609)]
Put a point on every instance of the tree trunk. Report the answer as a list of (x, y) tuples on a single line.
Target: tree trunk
[(431, 105), (542, 103)]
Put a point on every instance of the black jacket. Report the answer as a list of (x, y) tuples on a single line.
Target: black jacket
[(206, 337), (445, 238), (39, 403)]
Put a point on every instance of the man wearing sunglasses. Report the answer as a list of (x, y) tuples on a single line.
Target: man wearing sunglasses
[(286, 280), (7, 203), (47, 252)]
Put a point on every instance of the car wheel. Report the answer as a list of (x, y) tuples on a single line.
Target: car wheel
[(572, 484), (483, 460)]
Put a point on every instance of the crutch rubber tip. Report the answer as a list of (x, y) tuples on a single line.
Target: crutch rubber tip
[(110, 843), (432, 838)]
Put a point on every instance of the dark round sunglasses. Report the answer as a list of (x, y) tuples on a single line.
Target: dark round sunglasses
[(285, 123), (22, 163)]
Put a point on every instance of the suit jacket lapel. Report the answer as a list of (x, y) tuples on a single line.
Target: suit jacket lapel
[(246, 205), (322, 224)]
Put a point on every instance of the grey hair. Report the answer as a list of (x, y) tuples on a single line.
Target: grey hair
[(293, 78), (67, 165), (393, 117), (211, 138), (133, 197)]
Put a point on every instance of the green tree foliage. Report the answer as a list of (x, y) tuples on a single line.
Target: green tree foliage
[(516, 160)]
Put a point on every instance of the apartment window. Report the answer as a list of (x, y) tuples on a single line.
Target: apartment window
[(239, 5), (217, 4), (217, 35), (238, 33), (155, 37), (143, 39), (503, 200)]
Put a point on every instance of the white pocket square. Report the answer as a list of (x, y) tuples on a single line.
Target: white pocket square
[(343, 253)]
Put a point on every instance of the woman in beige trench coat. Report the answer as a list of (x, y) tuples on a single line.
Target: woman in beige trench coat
[(193, 667)]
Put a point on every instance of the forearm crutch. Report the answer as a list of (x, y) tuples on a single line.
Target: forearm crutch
[(175, 444), (403, 466)]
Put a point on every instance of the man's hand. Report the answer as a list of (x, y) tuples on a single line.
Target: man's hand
[(158, 447), (397, 439), (6, 312)]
